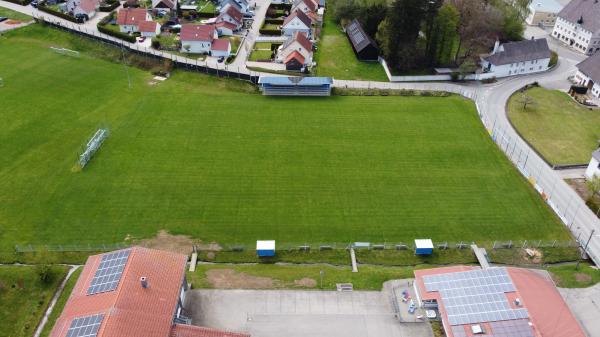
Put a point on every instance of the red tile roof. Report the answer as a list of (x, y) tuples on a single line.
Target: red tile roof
[(131, 16), (303, 40), (180, 330), (310, 4), (220, 44), (300, 15), (88, 5), (130, 310), (233, 12), (226, 24), (197, 33), (294, 55), (147, 26)]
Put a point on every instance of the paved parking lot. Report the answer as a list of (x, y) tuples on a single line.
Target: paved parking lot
[(585, 304), (289, 313)]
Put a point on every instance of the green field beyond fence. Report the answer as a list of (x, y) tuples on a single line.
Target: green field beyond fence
[(215, 160)]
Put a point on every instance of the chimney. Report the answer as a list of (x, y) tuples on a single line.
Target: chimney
[(496, 46), (517, 302), (144, 282)]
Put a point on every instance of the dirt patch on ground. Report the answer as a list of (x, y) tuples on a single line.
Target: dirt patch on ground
[(583, 278), (230, 279), (182, 244), (306, 282), (532, 255)]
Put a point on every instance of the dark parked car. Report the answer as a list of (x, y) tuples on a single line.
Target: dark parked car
[(3, 18), (221, 59), (81, 18), (34, 3)]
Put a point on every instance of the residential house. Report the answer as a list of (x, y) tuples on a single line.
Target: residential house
[(593, 169), (306, 6), (241, 5), (134, 292), (298, 21), (299, 45), (543, 12), (83, 7), (295, 61), (588, 74), (197, 39), (129, 19), (322, 3), (578, 26), (220, 48), (165, 5), (149, 28), (517, 58), (363, 45), (225, 28), (232, 15)]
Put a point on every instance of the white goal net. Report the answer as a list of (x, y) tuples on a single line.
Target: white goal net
[(92, 146), (64, 51)]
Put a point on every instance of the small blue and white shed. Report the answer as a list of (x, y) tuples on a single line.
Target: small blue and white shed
[(423, 246), (265, 248)]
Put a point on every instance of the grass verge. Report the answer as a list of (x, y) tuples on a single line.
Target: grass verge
[(62, 301), (566, 276)]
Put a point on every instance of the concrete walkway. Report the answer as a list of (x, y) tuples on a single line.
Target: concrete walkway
[(585, 304)]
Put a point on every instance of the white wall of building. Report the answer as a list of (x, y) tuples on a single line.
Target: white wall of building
[(296, 25), (575, 36), (520, 68), (196, 47), (128, 28), (584, 81), (593, 169)]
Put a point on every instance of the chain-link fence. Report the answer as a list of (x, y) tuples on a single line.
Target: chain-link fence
[(70, 248)]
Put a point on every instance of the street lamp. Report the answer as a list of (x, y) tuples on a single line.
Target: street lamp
[(585, 247)]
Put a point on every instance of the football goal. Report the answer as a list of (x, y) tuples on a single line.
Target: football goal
[(64, 51), (92, 146)]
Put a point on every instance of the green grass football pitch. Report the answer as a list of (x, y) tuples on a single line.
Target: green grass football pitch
[(215, 160)]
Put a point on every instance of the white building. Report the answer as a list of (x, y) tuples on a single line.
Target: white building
[(164, 5), (298, 43), (588, 74), (543, 12), (197, 39), (517, 58), (220, 48), (149, 28), (297, 22), (79, 7), (578, 26), (306, 6), (129, 19), (593, 168)]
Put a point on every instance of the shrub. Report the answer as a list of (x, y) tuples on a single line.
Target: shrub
[(274, 21), (57, 13), (20, 2), (44, 273), (109, 7), (454, 76), (553, 59), (275, 32), (118, 35)]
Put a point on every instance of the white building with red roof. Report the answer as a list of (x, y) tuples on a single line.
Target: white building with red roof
[(298, 44), (149, 28), (134, 292), (129, 19), (229, 20), (306, 6), (220, 48), (87, 7), (164, 5), (297, 22), (197, 39), (498, 302)]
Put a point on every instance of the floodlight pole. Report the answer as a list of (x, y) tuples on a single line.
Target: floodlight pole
[(321, 273)]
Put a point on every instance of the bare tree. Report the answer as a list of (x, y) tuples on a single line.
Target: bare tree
[(527, 101)]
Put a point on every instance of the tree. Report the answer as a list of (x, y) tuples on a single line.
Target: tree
[(399, 32), (444, 34), (526, 100), (431, 9), (44, 273)]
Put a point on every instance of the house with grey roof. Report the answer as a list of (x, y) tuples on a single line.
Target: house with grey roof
[(543, 12), (517, 58), (578, 26), (588, 74), (593, 168)]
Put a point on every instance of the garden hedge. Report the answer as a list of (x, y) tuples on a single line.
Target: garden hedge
[(20, 2), (118, 35), (57, 13), (274, 21), (110, 7), (271, 32)]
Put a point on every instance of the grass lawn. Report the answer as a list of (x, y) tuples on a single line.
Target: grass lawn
[(560, 129), (336, 59), (262, 45), (262, 54), (290, 276), (566, 276), (214, 159), (8, 13), (62, 301), (235, 43), (23, 298), (206, 6)]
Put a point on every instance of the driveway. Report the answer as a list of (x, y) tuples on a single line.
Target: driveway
[(585, 304), (301, 313)]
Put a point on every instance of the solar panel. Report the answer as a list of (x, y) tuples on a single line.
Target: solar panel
[(109, 272), (475, 296), (85, 326)]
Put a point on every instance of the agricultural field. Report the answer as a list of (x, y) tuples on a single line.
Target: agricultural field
[(335, 57), (563, 131), (24, 297), (213, 159)]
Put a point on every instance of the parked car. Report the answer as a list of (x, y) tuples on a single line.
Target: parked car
[(81, 18), (249, 14), (221, 59), (34, 3), (141, 39), (2, 18)]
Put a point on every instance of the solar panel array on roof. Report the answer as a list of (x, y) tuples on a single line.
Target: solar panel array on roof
[(475, 296), (85, 326), (357, 35), (109, 272)]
